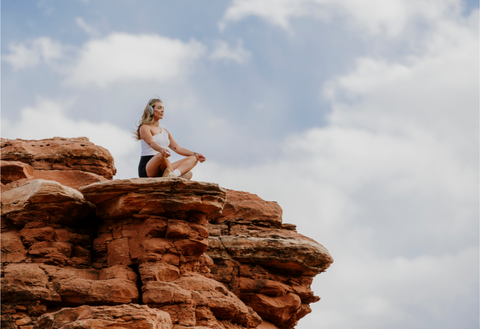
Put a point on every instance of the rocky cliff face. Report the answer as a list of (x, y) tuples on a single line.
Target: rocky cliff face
[(80, 250)]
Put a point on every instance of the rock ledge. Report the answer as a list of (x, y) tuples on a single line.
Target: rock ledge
[(80, 250)]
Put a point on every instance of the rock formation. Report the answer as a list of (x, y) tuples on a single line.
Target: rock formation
[(80, 250), (73, 162), (263, 261)]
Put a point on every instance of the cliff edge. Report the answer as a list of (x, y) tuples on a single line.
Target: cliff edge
[(80, 250)]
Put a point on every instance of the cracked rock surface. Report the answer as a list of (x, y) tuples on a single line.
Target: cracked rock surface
[(266, 263), (80, 250)]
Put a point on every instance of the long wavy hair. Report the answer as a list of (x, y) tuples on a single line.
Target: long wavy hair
[(147, 118)]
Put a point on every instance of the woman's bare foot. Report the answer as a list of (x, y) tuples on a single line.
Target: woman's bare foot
[(168, 173), (188, 175)]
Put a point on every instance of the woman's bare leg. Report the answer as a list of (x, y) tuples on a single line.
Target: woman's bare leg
[(186, 164), (157, 165)]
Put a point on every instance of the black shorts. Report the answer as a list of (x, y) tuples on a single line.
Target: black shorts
[(142, 166)]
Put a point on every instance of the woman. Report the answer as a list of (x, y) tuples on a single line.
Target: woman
[(154, 160)]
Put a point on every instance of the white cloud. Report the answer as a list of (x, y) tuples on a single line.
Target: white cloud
[(49, 118), (434, 92), (86, 27), (421, 292), (387, 17), (128, 57), (24, 55), (223, 51), (389, 186), (276, 12)]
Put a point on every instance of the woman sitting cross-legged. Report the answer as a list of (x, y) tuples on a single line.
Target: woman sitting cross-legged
[(154, 160)]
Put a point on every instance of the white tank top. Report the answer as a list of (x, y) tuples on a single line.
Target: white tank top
[(161, 139)]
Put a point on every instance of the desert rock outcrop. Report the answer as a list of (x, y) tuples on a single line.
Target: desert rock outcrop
[(265, 263), (60, 154), (130, 316), (80, 250)]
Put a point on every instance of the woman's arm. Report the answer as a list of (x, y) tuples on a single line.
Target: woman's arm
[(183, 151), (147, 136)]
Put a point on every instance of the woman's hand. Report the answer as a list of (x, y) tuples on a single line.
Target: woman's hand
[(200, 157), (165, 153)]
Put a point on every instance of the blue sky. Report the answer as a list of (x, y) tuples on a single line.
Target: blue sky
[(359, 118)]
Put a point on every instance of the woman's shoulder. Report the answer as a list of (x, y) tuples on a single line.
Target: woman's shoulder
[(148, 126), (145, 129)]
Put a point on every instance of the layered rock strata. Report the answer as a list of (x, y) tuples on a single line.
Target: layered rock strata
[(142, 253), (267, 264), (158, 226), (130, 316), (73, 162)]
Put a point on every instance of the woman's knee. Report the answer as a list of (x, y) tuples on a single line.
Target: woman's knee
[(159, 157), (193, 158)]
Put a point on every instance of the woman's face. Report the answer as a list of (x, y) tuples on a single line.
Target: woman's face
[(158, 110)]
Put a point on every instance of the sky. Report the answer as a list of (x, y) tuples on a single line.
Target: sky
[(360, 118)]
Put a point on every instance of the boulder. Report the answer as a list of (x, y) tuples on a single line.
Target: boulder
[(27, 283), (71, 178), (60, 154), (194, 300), (280, 310), (13, 250), (111, 286), (287, 251), (265, 262), (52, 285), (131, 316), (244, 207), (15, 170), (168, 197), (37, 200)]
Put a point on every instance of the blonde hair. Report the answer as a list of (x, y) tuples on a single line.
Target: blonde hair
[(147, 118)]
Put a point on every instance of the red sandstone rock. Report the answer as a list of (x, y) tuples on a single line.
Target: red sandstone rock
[(33, 235), (256, 273), (159, 272), (243, 207), (168, 197), (284, 250), (193, 300), (25, 283), (130, 316), (264, 262), (60, 154), (46, 244), (13, 250), (136, 241), (15, 170), (277, 310), (41, 200), (263, 286), (168, 250), (116, 285), (71, 178), (267, 325)]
